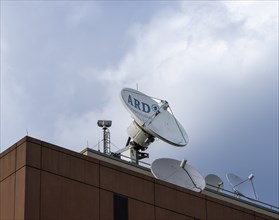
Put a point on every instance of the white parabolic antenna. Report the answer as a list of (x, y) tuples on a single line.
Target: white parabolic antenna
[(242, 187), (154, 117), (179, 173), (214, 182)]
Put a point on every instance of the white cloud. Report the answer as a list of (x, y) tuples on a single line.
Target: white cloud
[(195, 60), (202, 66), (219, 72)]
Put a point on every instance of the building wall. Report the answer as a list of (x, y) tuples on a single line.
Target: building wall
[(43, 181)]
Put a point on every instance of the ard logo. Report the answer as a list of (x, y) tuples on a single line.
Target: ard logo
[(142, 106)]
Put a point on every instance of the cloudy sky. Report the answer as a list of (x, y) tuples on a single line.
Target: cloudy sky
[(64, 63)]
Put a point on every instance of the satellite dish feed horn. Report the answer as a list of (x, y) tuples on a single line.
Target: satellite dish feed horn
[(183, 166)]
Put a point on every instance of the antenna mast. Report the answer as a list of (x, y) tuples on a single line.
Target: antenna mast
[(105, 124), (106, 141)]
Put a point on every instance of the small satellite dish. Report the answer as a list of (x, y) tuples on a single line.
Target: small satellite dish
[(153, 118), (179, 173), (214, 182), (242, 187)]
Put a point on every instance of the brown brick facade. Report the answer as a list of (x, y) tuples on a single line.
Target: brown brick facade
[(43, 181)]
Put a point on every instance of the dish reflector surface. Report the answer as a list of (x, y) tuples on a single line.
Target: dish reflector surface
[(170, 171), (214, 182), (154, 117), (240, 186)]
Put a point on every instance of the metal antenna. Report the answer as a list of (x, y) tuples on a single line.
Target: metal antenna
[(106, 134), (236, 181), (151, 119), (106, 141)]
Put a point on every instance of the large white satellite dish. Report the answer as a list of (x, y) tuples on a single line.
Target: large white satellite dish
[(179, 173), (214, 182), (153, 118), (242, 187)]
